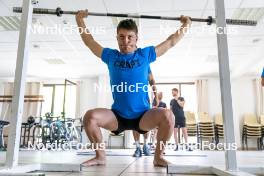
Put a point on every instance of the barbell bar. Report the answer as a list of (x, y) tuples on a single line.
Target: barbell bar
[(58, 11)]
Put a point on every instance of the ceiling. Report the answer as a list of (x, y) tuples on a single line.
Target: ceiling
[(65, 56)]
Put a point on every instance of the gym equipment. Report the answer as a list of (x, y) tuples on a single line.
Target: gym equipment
[(58, 11)]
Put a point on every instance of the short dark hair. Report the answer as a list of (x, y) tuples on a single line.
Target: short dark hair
[(175, 89), (128, 24)]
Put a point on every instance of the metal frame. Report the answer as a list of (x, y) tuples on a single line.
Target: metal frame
[(225, 85), (11, 164), (58, 11), (19, 86)]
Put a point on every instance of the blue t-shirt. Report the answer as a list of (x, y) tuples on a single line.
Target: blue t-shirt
[(262, 75), (129, 80)]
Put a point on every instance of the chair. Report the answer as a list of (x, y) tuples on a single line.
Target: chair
[(262, 130), (219, 128), (191, 123), (205, 127), (251, 129)]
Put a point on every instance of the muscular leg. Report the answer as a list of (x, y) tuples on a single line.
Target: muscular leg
[(92, 121), (164, 120)]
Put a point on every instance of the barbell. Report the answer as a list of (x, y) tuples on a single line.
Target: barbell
[(58, 11)]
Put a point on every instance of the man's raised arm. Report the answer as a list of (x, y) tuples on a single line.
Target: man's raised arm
[(174, 38), (87, 38)]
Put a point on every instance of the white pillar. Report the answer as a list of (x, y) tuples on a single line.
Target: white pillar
[(226, 97), (19, 86)]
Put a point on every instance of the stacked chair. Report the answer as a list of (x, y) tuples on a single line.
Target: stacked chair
[(262, 131), (205, 128), (251, 129), (219, 128), (191, 123)]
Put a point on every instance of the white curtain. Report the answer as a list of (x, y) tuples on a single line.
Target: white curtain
[(202, 95), (30, 108), (259, 94)]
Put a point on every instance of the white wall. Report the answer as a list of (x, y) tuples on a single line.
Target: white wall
[(214, 96), (243, 102), (87, 97)]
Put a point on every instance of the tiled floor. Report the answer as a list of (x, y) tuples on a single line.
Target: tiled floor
[(126, 165)]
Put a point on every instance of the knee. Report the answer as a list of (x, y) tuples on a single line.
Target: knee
[(89, 118), (169, 118)]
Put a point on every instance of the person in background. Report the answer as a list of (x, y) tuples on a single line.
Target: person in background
[(177, 105)]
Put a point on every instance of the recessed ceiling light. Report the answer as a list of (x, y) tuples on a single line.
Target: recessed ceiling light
[(55, 61), (65, 21), (36, 46), (256, 40)]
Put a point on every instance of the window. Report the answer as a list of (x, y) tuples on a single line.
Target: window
[(186, 90), (59, 99)]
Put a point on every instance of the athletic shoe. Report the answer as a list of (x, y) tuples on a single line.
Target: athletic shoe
[(146, 150), (138, 152)]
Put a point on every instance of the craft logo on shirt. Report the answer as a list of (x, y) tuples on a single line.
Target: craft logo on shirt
[(127, 64)]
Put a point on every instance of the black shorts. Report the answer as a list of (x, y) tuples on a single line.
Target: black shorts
[(128, 124), (180, 123)]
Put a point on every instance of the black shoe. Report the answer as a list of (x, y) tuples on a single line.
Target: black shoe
[(176, 148), (188, 147)]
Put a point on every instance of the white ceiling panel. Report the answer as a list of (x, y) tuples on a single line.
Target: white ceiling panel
[(4, 10), (189, 4), (228, 4), (252, 3)]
